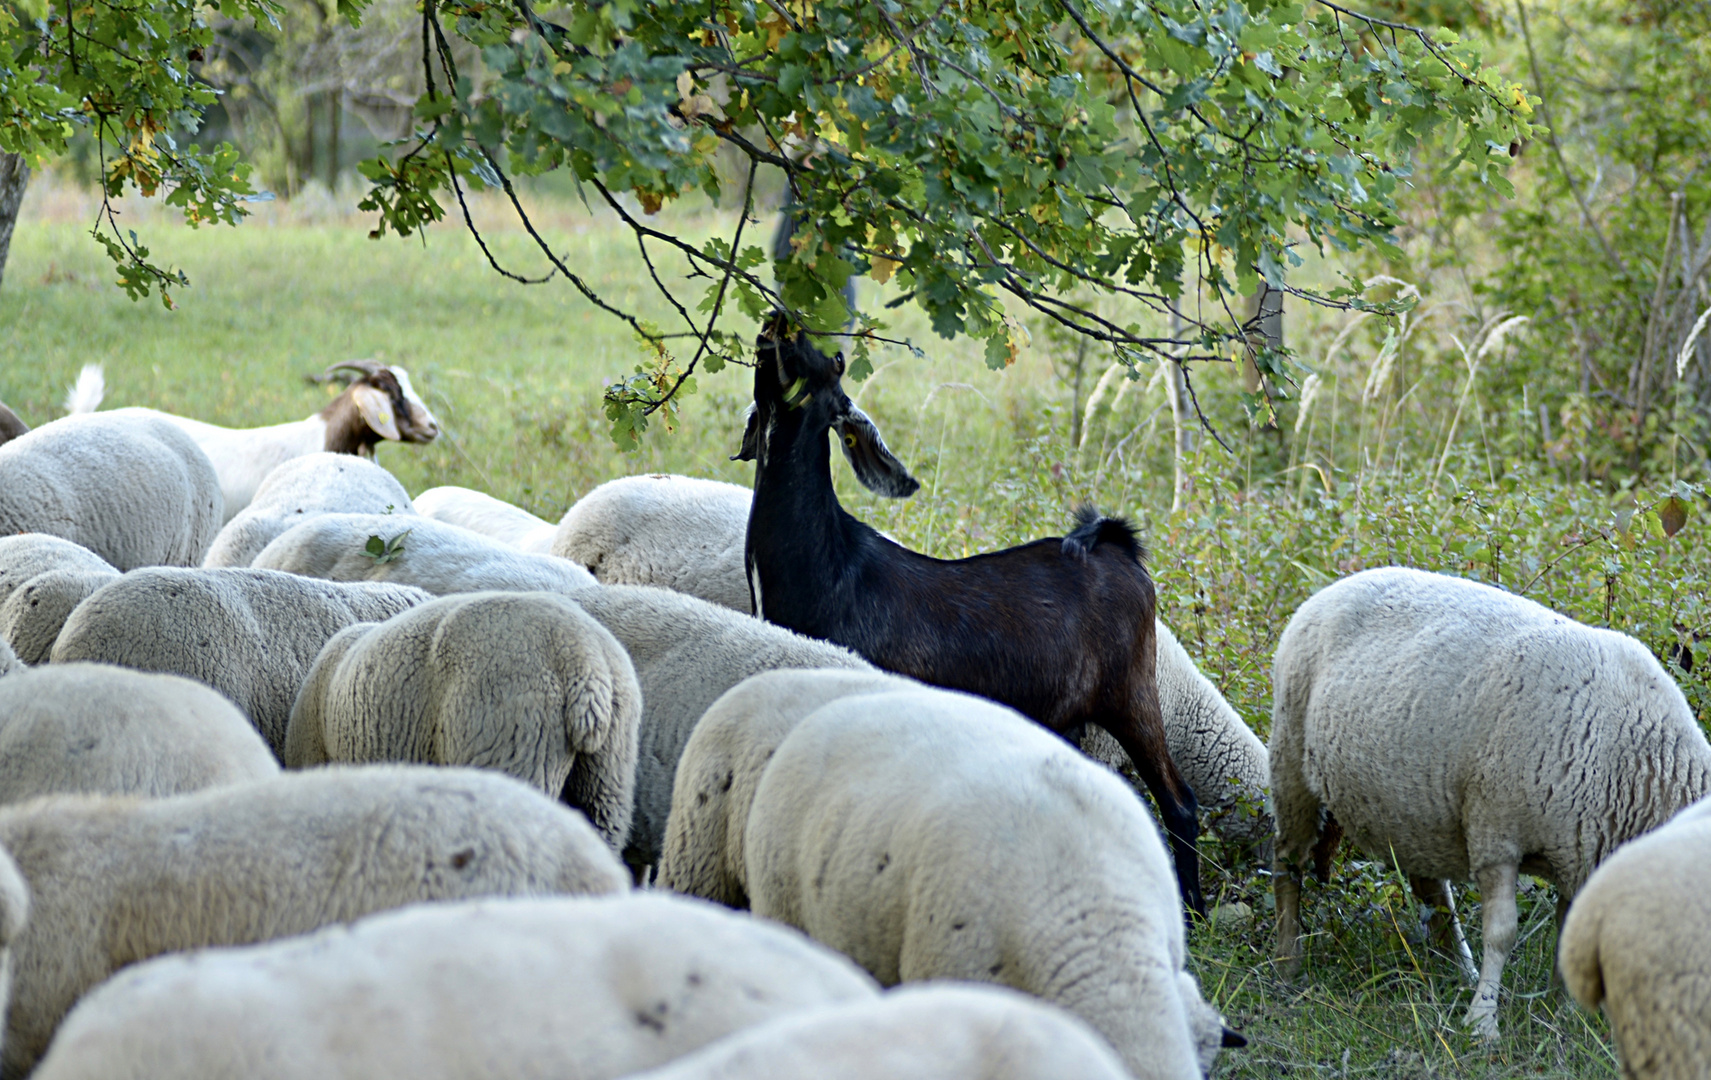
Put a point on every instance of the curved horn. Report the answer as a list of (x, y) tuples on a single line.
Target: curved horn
[(370, 368)]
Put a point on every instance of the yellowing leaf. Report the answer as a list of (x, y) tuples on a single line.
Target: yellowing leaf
[(1672, 515), (883, 268)]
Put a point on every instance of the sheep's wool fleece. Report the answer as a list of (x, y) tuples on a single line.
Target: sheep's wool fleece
[(1461, 727), (676, 532), (1219, 756), (495, 518), (134, 490), (686, 653), (431, 555), (14, 913), (26, 555), (524, 683), (923, 1033), (42, 578), (589, 989), (9, 662), (723, 762), (932, 835), (32, 617), (301, 488), (95, 729), (114, 881), (1638, 941), (250, 634)]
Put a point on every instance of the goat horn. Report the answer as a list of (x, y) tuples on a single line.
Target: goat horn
[(366, 367)]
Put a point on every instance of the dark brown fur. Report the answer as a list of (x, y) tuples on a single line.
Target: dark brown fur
[(1060, 630), (10, 426)]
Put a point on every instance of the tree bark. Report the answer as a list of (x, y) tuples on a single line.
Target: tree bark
[(14, 177)]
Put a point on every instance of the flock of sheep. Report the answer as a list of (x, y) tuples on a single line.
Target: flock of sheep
[(258, 705)]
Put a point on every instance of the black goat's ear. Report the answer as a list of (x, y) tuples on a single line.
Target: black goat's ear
[(750, 448), (876, 467)]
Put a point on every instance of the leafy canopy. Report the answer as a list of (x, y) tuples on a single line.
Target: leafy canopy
[(976, 151), (124, 69), (981, 153)]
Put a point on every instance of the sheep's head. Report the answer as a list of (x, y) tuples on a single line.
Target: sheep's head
[(378, 404), (794, 379)]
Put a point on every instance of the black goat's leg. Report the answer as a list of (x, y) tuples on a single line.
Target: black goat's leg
[(1176, 803)]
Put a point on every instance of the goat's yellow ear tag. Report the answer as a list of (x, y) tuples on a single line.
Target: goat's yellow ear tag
[(849, 441)]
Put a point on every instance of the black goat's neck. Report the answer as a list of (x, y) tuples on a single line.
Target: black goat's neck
[(347, 431), (802, 545), (10, 426)]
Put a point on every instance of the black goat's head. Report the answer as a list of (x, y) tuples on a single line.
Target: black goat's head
[(794, 379)]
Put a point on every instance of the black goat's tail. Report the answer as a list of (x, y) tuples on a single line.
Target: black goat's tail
[(1093, 528)]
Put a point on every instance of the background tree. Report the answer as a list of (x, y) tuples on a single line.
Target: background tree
[(981, 153), (1607, 250), (977, 152), (290, 86), (121, 69)]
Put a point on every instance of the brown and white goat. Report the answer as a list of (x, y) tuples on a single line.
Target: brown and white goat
[(378, 404)]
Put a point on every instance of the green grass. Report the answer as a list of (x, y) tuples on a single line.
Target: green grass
[(1420, 467)]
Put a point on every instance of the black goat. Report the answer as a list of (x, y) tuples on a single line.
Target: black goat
[(1060, 630)]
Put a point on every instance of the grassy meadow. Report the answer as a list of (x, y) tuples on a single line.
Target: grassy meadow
[(1410, 452)]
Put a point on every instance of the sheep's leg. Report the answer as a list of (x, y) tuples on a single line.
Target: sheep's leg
[(1301, 835), (1286, 887), (1443, 930), (1145, 745), (1497, 886), (1563, 900)]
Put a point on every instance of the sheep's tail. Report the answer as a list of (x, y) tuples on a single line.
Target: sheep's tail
[(1093, 528), (86, 394)]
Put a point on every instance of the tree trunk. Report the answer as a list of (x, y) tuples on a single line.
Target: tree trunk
[(14, 177), (1181, 423)]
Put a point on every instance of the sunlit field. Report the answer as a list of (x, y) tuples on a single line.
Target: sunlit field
[(1403, 456)]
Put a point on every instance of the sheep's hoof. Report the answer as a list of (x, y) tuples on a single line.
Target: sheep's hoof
[(1482, 1021)]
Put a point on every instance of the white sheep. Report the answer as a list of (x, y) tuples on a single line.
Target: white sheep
[(1455, 731), (480, 512), (525, 683), (134, 490), (117, 880), (1638, 941), (429, 554), (304, 487), (250, 634), (676, 532), (9, 662), (42, 578), (933, 835), (589, 989), (32, 617), (686, 653), (95, 729), (722, 763), (945, 1032), (14, 913), (378, 405), (1218, 753)]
